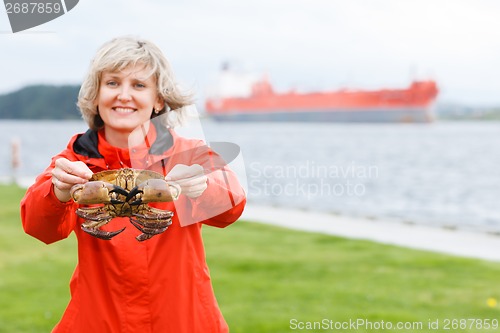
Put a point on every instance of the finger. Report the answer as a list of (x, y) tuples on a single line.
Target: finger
[(61, 185), (84, 170), (197, 180), (194, 195), (181, 176), (177, 172), (194, 189), (77, 168), (72, 180), (182, 171), (67, 178)]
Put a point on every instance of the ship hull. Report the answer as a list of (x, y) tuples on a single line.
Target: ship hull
[(413, 104), (400, 115)]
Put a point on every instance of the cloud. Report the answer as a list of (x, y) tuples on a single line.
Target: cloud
[(307, 44)]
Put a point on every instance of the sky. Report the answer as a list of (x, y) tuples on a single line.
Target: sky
[(305, 45)]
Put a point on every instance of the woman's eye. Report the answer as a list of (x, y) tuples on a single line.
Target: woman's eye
[(111, 83), (140, 85)]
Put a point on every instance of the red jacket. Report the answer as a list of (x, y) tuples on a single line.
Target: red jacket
[(122, 285)]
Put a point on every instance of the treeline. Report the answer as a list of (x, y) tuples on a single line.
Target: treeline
[(41, 102)]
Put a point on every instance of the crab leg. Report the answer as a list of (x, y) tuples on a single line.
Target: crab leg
[(146, 232), (142, 237), (98, 214), (151, 226), (153, 222), (150, 230), (106, 235), (95, 218), (152, 214)]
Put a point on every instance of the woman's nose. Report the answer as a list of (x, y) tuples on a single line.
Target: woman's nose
[(124, 94)]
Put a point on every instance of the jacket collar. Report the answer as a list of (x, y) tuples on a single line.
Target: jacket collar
[(86, 145), (88, 148)]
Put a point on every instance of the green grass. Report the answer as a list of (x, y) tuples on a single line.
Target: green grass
[(34, 277), (266, 276)]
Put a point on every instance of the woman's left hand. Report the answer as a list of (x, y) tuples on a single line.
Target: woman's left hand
[(191, 179)]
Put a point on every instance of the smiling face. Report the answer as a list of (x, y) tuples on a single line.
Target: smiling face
[(126, 100)]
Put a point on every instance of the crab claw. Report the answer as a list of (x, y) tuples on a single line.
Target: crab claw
[(142, 237), (119, 190), (96, 192), (154, 190), (101, 234)]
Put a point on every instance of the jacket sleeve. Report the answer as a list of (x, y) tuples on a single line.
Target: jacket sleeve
[(43, 216), (223, 201)]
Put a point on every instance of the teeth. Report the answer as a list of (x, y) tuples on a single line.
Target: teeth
[(124, 110)]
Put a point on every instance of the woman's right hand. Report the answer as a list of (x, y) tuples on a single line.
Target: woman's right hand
[(67, 173)]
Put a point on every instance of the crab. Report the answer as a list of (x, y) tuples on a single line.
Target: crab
[(125, 192)]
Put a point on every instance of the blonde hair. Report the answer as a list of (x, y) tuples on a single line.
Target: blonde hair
[(120, 53)]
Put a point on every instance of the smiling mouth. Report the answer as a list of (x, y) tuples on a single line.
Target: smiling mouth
[(124, 110)]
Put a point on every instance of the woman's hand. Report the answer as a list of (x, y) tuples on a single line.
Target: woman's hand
[(191, 179), (67, 173)]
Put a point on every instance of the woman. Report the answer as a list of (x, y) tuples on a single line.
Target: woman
[(131, 102)]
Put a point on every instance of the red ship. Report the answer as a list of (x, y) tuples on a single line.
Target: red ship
[(408, 105)]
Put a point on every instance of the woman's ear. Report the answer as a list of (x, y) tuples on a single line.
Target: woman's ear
[(160, 104)]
